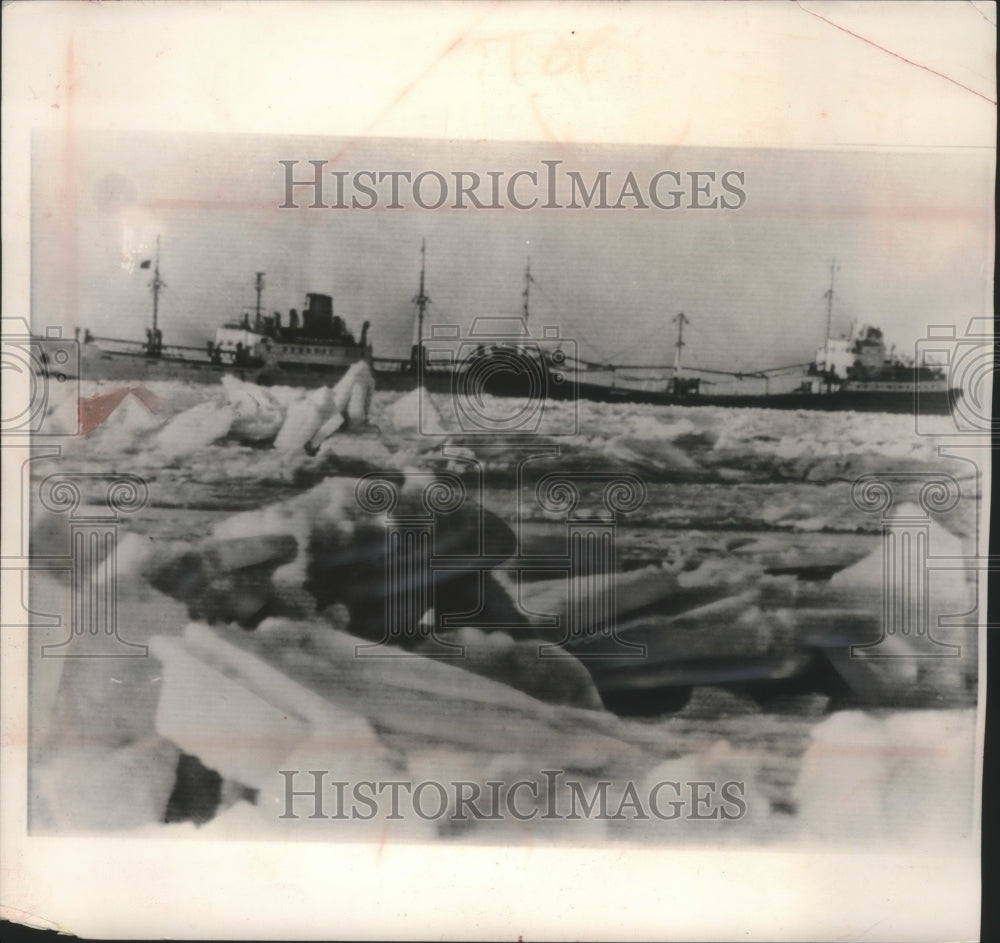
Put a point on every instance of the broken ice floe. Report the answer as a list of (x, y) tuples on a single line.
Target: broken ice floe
[(248, 413), (256, 566)]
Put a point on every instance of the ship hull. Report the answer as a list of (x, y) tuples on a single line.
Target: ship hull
[(100, 364), (913, 400), (932, 399)]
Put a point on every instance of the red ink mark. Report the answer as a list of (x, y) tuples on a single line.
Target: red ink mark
[(559, 59), (450, 48), (381, 844), (94, 410), (69, 235), (549, 133), (896, 55), (983, 15)]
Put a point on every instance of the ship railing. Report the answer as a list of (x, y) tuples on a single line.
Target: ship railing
[(389, 364), (175, 351), (396, 365), (117, 340)]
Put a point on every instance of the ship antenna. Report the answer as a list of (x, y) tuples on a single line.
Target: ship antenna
[(680, 321), (421, 300), (259, 285), (527, 288), (157, 285)]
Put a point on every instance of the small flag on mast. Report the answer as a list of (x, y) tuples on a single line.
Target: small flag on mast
[(146, 263)]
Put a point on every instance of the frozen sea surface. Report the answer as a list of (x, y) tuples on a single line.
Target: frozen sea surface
[(755, 502)]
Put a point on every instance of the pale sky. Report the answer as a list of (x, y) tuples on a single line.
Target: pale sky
[(911, 231)]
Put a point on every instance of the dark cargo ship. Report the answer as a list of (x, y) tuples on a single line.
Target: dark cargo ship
[(316, 348)]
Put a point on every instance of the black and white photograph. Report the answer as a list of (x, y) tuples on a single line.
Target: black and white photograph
[(423, 491)]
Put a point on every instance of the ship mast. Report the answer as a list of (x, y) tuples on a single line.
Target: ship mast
[(680, 321), (259, 285), (157, 285), (527, 288), (421, 300), (829, 317)]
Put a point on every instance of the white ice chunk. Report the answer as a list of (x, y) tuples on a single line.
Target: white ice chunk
[(196, 428), (258, 415), (662, 456), (360, 385), (321, 413), (416, 412), (304, 419), (905, 777), (949, 585), (654, 427), (87, 787)]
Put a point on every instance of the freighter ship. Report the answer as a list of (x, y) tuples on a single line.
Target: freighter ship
[(315, 348)]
